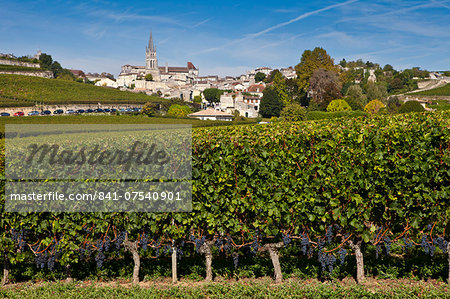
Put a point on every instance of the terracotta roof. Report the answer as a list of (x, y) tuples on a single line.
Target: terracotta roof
[(256, 88), (174, 69), (190, 66), (210, 112)]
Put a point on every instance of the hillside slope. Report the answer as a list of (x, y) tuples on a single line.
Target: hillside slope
[(16, 90)]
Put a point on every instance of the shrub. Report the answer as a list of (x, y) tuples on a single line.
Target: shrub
[(373, 107), (179, 111), (198, 99), (338, 105), (149, 109), (293, 112), (411, 106), (149, 77), (392, 105)]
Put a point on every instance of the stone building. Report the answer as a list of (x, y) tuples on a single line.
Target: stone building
[(164, 78)]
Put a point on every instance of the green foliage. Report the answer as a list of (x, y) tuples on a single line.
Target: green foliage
[(148, 77), (51, 92), (271, 105), (316, 115), (338, 105), (212, 95), (17, 68), (179, 111), (279, 85), (45, 61), (440, 91), (198, 99), (392, 105), (375, 91), (293, 112), (373, 107), (411, 106), (259, 77), (149, 109), (355, 97)]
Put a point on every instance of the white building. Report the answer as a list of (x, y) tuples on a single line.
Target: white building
[(212, 114)]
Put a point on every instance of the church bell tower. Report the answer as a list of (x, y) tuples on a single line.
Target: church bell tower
[(151, 62)]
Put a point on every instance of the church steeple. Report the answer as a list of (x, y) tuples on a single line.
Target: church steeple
[(151, 45)]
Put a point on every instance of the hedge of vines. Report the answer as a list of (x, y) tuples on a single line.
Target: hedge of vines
[(329, 187)]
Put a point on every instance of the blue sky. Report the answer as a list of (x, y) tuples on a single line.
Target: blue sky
[(227, 37)]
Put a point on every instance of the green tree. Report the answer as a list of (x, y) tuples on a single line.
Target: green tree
[(338, 105), (411, 106), (212, 95), (311, 61), (343, 63), (259, 77), (388, 68), (280, 87), (148, 77), (375, 91), (65, 74), (149, 109), (56, 68), (271, 105), (355, 97), (293, 112), (45, 61), (272, 75), (179, 110), (392, 105)]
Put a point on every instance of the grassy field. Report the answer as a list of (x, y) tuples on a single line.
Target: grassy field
[(242, 289), (114, 119), (53, 91), (440, 91)]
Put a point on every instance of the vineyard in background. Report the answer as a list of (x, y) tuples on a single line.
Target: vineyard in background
[(336, 192), (440, 91), (52, 92)]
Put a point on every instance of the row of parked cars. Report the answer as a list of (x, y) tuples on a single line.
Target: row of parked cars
[(71, 111)]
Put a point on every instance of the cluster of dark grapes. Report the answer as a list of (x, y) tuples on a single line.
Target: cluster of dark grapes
[(342, 253), (329, 234), (235, 259), (387, 244), (425, 245), (305, 243), (229, 244), (441, 243), (99, 259), (199, 242), (286, 239), (218, 243), (107, 244), (158, 248), (407, 244), (179, 252), (321, 254), (254, 247), (144, 242), (120, 238), (19, 238)]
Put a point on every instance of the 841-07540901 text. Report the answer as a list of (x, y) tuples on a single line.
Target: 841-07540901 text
[(103, 196)]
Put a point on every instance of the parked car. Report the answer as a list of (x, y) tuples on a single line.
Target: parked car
[(113, 110), (5, 114), (89, 111), (70, 111), (98, 110), (58, 111), (107, 110), (80, 111), (46, 112), (33, 113), (19, 113)]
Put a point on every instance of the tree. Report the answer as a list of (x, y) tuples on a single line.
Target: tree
[(45, 61), (293, 112), (324, 87), (212, 95), (338, 105), (355, 97), (259, 77), (373, 107), (393, 103), (396, 84), (56, 68), (375, 91), (411, 106), (179, 110), (271, 105), (343, 63), (198, 99), (272, 75), (295, 93), (388, 68), (65, 74), (149, 77), (149, 109), (279, 85), (311, 61)]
